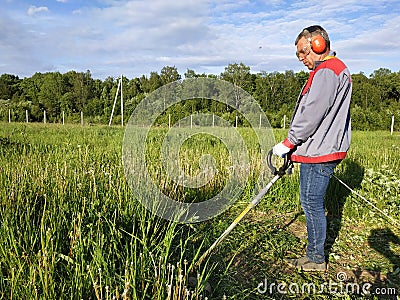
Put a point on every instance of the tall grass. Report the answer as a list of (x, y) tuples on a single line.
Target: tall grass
[(71, 228)]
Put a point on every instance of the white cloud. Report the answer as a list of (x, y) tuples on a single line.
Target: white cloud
[(33, 10)]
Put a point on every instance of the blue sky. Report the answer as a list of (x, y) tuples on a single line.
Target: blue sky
[(133, 38)]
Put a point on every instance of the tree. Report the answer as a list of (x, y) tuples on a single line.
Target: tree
[(50, 93), (152, 83), (374, 100), (364, 92), (81, 87), (190, 74), (169, 74), (268, 90), (239, 75), (8, 86)]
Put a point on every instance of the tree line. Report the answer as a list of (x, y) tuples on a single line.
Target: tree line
[(376, 98)]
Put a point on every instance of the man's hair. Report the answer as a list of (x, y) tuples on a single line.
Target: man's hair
[(311, 31)]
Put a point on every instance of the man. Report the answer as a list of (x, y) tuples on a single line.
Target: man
[(319, 135)]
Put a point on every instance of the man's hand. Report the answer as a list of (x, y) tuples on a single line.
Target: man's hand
[(280, 149)]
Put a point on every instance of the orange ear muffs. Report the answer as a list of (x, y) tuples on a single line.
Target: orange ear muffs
[(318, 44)]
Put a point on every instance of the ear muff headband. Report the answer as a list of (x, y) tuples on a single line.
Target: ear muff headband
[(318, 44)]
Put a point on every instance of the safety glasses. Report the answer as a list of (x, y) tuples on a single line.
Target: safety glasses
[(303, 52)]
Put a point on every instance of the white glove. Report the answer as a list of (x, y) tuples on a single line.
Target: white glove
[(280, 149)]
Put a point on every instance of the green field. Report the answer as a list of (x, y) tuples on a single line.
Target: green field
[(71, 229)]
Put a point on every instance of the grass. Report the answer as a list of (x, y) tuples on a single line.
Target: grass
[(71, 229)]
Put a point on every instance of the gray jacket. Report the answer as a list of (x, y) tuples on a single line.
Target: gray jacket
[(320, 129)]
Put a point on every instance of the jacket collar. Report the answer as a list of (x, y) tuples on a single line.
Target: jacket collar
[(331, 54)]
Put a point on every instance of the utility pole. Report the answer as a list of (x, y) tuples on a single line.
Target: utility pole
[(115, 101)]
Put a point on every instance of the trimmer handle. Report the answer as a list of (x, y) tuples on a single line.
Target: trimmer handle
[(282, 170)]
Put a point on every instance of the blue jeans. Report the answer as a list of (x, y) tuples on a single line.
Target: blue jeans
[(314, 180)]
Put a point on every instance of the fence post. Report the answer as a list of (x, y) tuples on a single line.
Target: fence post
[(44, 117), (9, 115), (122, 105), (82, 118), (26, 116), (392, 126)]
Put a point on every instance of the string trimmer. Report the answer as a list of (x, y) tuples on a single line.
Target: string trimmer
[(278, 172)]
